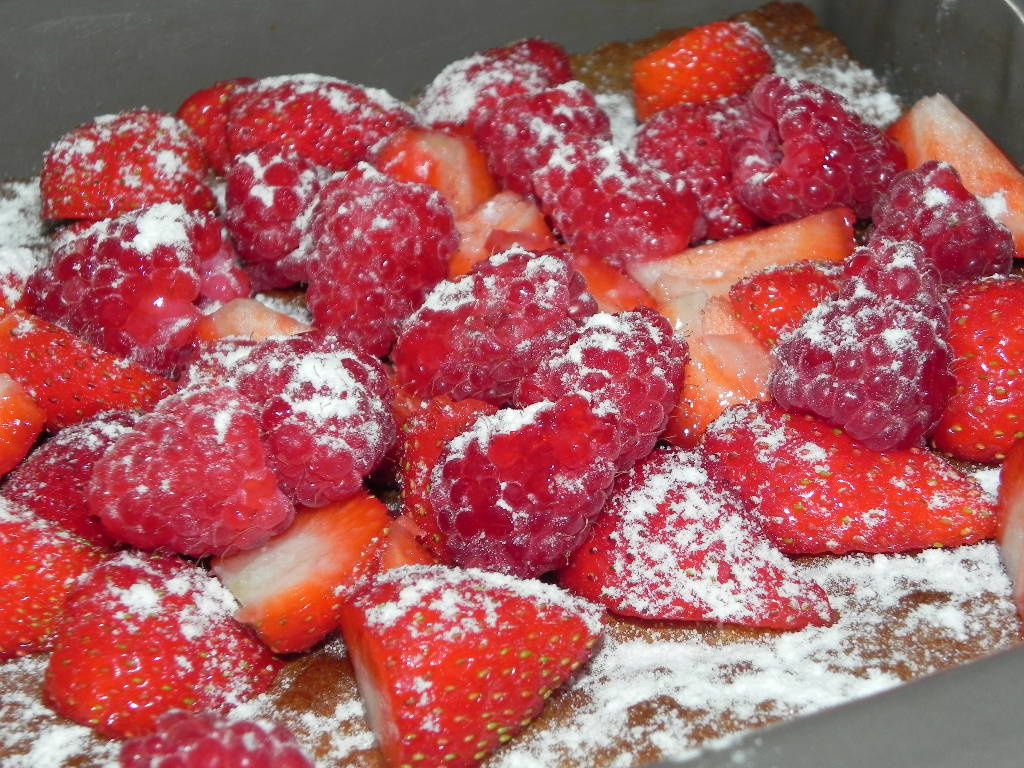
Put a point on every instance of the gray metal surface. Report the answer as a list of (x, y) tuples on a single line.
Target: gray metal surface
[(63, 62)]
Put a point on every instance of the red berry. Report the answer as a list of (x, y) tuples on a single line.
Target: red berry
[(690, 142), (221, 277), (800, 150), (205, 739), (118, 163), (672, 545), (330, 122), (378, 245), (218, 362), (53, 481), (479, 335), (21, 423), (521, 133), (874, 359), (517, 492), (712, 62), (467, 89), (605, 204), (629, 367), (191, 477), (206, 113), (269, 196), (142, 636), (324, 412), (930, 206)]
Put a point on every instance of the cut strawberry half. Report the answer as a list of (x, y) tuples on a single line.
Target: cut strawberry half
[(935, 129), (612, 289), (402, 546), (21, 423), (453, 663), (290, 588), (517, 218), (1010, 521), (247, 319)]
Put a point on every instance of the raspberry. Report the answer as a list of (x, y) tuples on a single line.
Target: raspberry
[(479, 335), (378, 245), (192, 477), (269, 196), (690, 142), (930, 206), (128, 285), (522, 132), (53, 481), (330, 122), (606, 205), (518, 490), (206, 739), (467, 89), (874, 360), (216, 363), (221, 277), (801, 150), (325, 414), (629, 367)]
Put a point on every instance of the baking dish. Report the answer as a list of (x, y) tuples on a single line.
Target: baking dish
[(64, 64)]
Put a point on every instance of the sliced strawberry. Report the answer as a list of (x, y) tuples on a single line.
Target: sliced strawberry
[(247, 319), (450, 163), (935, 129), (681, 283), (772, 303), (985, 415), (69, 378), (39, 564), (1010, 517), (206, 113), (712, 62), (118, 163), (289, 588), (425, 436), (672, 545), (21, 423), (816, 490), (507, 212), (402, 546), (453, 663), (612, 289)]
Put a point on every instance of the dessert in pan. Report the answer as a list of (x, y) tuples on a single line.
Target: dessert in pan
[(588, 411)]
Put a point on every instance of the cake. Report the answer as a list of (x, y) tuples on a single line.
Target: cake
[(654, 690)]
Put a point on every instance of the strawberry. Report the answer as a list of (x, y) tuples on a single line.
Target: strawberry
[(453, 663), (246, 319), (1010, 521), (518, 219), (425, 436), (403, 547), (39, 563), (708, 63), (450, 163), (21, 422), (681, 283), (206, 113), (143, 635), (70, 379), (118, 163), (289, 588), (982, 418), (816, 490), (772, 303), (671, 545), (935, 129), (612, 289)]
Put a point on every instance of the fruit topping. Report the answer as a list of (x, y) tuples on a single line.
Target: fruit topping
[(144, 635), (708, 63), (814, 490), (191, 477), (206, 113), (672, 545), (874, 359), (453, 663), (246, 319), (118, 163), (479, 335), (800, 150), (378, 245), (204, 740), (21, 423), (505, 220), (612, 289)]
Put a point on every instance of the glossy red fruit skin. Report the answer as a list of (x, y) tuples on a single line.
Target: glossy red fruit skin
[(800, 150), (378, 245), (479, 335), (206, 113)]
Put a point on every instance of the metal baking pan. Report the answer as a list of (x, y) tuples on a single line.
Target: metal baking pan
[(63, 63)]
